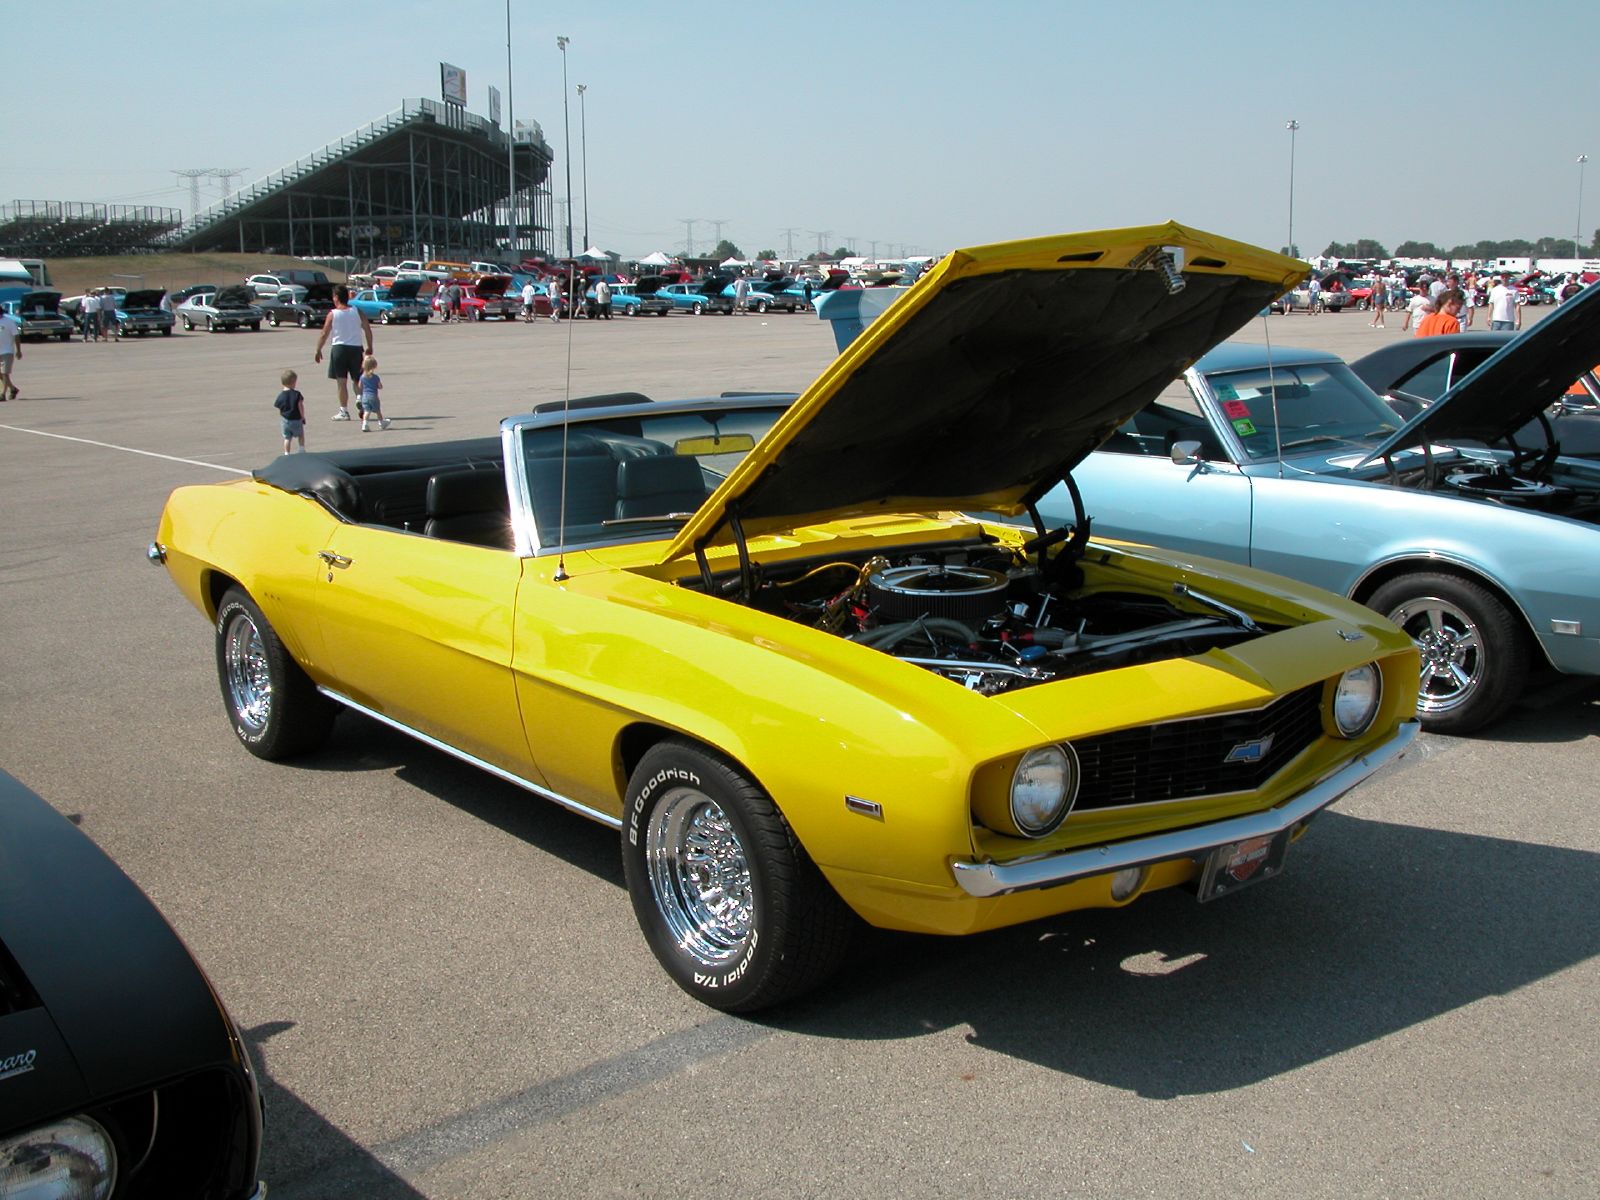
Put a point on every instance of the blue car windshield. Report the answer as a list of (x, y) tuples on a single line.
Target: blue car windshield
[(1299, 406)]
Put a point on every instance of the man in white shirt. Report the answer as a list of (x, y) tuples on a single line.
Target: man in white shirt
[(10, 351), (1504, 312), (528, 293), (1419, 306)]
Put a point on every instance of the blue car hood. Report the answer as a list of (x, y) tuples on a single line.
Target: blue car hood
[(1514, 385)]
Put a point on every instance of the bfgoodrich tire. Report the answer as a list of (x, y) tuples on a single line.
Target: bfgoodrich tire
[(272, 704), (728, 900), (1474, 650)]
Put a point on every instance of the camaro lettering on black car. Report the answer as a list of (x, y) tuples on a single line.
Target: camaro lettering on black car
[(17, 1064)]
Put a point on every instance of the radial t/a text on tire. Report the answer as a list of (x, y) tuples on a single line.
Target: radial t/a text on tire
[(274, 708), (727, 898)]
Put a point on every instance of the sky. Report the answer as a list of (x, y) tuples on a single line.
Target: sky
[(890, 126)]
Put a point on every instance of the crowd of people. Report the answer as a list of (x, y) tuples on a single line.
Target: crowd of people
[(1444, 303)]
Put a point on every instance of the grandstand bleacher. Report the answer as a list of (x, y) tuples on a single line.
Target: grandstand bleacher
[(425, 175), (68, 229)]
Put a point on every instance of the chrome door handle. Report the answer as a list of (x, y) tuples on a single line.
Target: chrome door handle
[(333, 560)]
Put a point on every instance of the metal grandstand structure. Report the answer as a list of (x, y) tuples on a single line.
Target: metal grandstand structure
[(66, 229), (427, 180)]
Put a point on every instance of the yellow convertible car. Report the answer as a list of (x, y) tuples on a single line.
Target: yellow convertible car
[(756, 636)]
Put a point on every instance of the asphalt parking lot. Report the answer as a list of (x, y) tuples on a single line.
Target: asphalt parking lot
[(447, 995)]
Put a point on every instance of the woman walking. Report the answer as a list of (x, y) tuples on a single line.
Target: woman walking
[(1379, 301)]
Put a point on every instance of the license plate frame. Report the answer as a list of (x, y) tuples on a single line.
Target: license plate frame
[(1233, 866)]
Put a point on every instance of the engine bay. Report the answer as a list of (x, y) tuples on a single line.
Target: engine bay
[(1518, 481), (990, 617)]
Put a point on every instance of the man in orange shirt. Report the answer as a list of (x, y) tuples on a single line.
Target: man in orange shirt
[(1445, 318)]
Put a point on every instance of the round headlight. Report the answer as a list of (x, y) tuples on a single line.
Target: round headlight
[(1355, 700), (64, 1160), (1043, 788)]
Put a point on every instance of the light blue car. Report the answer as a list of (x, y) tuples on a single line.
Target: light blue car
[(685, 297), (396, 303), (1486, 551)]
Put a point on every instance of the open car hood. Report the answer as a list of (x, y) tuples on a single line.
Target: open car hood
[(142, 298), (403, 289), (490, 287), (989, 379), (234, 296), (39, 302), (1514, 385)]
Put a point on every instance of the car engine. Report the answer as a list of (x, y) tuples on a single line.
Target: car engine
[(990, 619)]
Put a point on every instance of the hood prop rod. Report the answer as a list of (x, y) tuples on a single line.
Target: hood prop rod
[(747, 586)]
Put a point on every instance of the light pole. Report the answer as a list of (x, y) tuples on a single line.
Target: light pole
[(511, 151), (1578, 232), (566, 127), (583, 139), (1293, 127)]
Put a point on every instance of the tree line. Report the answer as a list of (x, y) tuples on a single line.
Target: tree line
[(1545, 247)]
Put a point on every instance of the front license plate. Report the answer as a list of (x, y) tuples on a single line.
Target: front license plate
[(1239, 864)]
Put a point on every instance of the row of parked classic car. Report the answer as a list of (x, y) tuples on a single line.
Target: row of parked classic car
[(282, 299)]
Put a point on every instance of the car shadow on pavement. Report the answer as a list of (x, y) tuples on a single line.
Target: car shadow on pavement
[(362, 744), (1552, 708), (1374, 927), (306, 1157)]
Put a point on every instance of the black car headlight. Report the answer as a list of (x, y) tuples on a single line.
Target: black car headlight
[(1356, 698), (71, 1159)]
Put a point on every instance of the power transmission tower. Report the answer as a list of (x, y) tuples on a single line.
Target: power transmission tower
[(716, 227), (227, 175), (194, 175), (688, 235), (822, 236), (788, 245)]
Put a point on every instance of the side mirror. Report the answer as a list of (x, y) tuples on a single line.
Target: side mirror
[(1184, 453)]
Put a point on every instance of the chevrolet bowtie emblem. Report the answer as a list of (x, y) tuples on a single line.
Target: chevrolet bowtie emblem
[(1249, 752)]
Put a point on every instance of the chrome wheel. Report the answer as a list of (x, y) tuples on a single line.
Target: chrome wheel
[(1451, 645), (699, 876), (246, 673)]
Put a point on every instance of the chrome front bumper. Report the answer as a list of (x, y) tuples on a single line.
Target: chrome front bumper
[(997, 879)]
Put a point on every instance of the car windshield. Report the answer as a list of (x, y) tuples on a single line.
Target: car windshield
[(1297, 406), (630, 479)]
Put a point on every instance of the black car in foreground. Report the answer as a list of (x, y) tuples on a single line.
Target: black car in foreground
[(1412, 373), (121, 1074)]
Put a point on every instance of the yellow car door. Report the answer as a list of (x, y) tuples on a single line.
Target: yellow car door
[(419, 629)]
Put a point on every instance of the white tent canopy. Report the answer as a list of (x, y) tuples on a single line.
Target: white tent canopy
[(733, 262), (656, 259), (595, 254)]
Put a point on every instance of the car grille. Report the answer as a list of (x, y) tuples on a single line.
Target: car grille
[(1184, 760)]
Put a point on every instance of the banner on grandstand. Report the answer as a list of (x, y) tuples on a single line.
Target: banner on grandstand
[(494, 105), (453, 84)]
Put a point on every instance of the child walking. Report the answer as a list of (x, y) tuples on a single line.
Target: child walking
[(291, 406), (368, 404)]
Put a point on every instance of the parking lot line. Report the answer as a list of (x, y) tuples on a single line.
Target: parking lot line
[(193, 462)]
